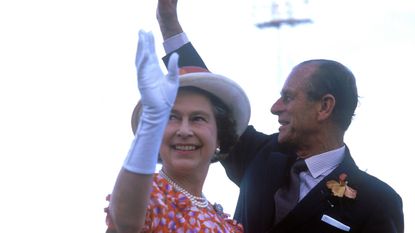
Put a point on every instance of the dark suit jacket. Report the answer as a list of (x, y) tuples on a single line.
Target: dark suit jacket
[(259, 166)]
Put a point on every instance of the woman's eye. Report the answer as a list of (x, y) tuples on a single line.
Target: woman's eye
[(198, 118), (173, 117)]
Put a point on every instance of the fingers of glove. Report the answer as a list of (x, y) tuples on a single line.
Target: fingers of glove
[(173, 67), (148, 68), (150, 44), (172, 79), (141, 55), (145, 48), (157, 92)]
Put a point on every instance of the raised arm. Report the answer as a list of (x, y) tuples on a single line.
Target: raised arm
[(167, 18), (173, 33), (132, 190)]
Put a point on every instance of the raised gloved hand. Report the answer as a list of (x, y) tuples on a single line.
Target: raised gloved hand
[(158, 93)]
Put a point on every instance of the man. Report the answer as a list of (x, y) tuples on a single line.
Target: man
[(315, 109)]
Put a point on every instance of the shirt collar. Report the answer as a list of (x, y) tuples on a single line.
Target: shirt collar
[(323, 164)]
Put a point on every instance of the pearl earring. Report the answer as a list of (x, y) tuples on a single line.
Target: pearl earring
[(217, 151)]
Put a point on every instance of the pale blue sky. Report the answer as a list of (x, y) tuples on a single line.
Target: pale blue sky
[(68, 87)]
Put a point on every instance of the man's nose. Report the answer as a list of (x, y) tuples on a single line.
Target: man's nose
[(277, 107)]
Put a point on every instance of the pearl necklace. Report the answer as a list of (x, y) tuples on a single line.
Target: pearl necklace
[(201, 202)]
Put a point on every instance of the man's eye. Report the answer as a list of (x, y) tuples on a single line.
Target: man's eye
[(286, 98)]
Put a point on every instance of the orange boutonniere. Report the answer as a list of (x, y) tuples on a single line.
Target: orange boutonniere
[(340, 188)]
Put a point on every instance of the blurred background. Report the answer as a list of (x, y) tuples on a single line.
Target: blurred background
[(68, 87)]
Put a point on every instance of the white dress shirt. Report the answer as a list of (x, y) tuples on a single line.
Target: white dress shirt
[(319, 166)]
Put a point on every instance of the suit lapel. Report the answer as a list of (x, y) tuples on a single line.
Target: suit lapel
[(317, 201)]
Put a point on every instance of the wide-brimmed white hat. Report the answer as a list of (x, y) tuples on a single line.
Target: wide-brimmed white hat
[(227, 90)]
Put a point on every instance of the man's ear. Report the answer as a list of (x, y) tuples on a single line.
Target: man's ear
[(327, 104)]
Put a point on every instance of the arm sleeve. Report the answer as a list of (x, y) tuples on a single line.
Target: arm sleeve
[(188, 56), (388, 217), (247, 148)]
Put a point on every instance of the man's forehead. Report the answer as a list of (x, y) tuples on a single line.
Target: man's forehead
[(298, 78), (301, 74), (305, 70)]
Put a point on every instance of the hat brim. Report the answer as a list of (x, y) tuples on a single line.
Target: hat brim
[(227, 90)]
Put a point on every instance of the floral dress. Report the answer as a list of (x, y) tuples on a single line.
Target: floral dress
[(171, 211)]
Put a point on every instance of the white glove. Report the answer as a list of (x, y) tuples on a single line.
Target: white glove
[(158, 93)]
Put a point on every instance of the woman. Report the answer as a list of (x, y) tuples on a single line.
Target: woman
[(209, 113)]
